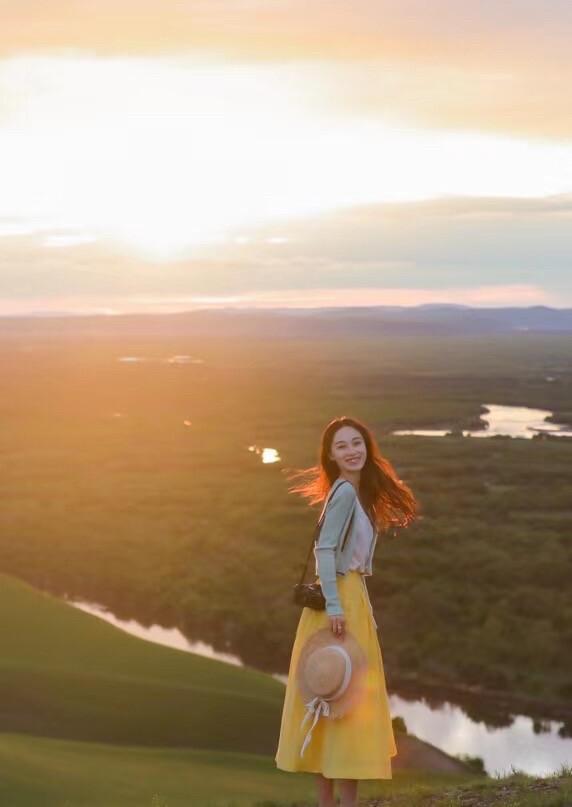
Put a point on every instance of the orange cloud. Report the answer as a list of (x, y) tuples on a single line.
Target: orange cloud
[(481, 34), (444, 63), (523, 101)]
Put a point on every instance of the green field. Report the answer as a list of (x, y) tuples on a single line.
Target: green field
[(39, 772), (92, 717), (64, 673), (110, 496), (61, 773)]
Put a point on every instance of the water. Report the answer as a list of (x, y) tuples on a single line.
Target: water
[(447, 727), (169, 637), (451, 730), (179, 359), (509, 421), (267, 455)]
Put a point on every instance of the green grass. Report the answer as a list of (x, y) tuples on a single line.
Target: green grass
[(514, 790), (41, 772), (171, 726), (68, 674)]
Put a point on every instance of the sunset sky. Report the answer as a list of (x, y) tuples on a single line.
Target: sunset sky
[(163, 155)]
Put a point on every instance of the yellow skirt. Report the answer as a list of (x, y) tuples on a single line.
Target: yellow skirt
[(360, 744)]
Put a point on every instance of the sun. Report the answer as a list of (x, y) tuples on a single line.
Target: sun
[(164, 156)]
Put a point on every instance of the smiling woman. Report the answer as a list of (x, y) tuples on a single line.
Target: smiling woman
[(167, 154)]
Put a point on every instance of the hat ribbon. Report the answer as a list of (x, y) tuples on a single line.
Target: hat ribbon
[(314, 706), (318, 703)]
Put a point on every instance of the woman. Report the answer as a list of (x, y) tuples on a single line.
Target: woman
[(363, 496)]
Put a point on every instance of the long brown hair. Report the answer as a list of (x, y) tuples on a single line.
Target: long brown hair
[(389, 502)]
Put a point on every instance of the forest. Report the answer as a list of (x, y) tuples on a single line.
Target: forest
[(133, 477)]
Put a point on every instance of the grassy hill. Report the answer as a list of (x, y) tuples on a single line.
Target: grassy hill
[(41, 772), (93, 717), (65, 673), (63, 773)]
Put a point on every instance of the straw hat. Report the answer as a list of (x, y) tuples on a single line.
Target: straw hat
[(330, 676)]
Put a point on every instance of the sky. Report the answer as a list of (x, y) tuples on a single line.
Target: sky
[(166, 155)]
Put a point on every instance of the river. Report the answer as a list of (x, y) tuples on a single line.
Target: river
[(506, 421), (534, 747)]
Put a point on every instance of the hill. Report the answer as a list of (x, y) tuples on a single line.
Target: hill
[(43, 772), (440, 318), (94, 717), (67, 674)]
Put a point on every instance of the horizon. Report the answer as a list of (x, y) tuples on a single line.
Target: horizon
[(277, 309)]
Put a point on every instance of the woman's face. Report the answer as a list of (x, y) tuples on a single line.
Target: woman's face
[(348, 449)]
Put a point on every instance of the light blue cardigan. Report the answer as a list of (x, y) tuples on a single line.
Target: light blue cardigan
[(330, 560)]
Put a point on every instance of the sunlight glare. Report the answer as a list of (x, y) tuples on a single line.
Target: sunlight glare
[(163, 155)]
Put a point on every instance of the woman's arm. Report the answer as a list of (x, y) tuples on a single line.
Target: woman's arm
[(336, 516)]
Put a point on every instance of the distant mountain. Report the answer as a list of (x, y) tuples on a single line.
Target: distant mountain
[(442, 306), (432, 318)]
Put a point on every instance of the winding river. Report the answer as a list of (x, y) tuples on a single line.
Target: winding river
[(505, 421), (533, 747)]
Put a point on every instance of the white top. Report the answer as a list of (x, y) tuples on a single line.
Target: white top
[(364, 537)]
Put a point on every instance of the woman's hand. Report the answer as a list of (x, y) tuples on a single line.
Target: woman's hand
[(338, 626)]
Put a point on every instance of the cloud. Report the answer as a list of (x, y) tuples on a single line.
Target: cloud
[(506, 248), (413, 30), (440, 239), (164, 155), (486, 65), (519, 99)]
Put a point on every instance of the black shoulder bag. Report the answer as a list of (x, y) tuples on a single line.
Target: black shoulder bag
[(310, 595)]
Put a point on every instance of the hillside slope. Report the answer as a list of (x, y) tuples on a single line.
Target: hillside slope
[(42, 772), (65, 673)]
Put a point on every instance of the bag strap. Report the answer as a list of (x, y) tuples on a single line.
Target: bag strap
[(318, 528)]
